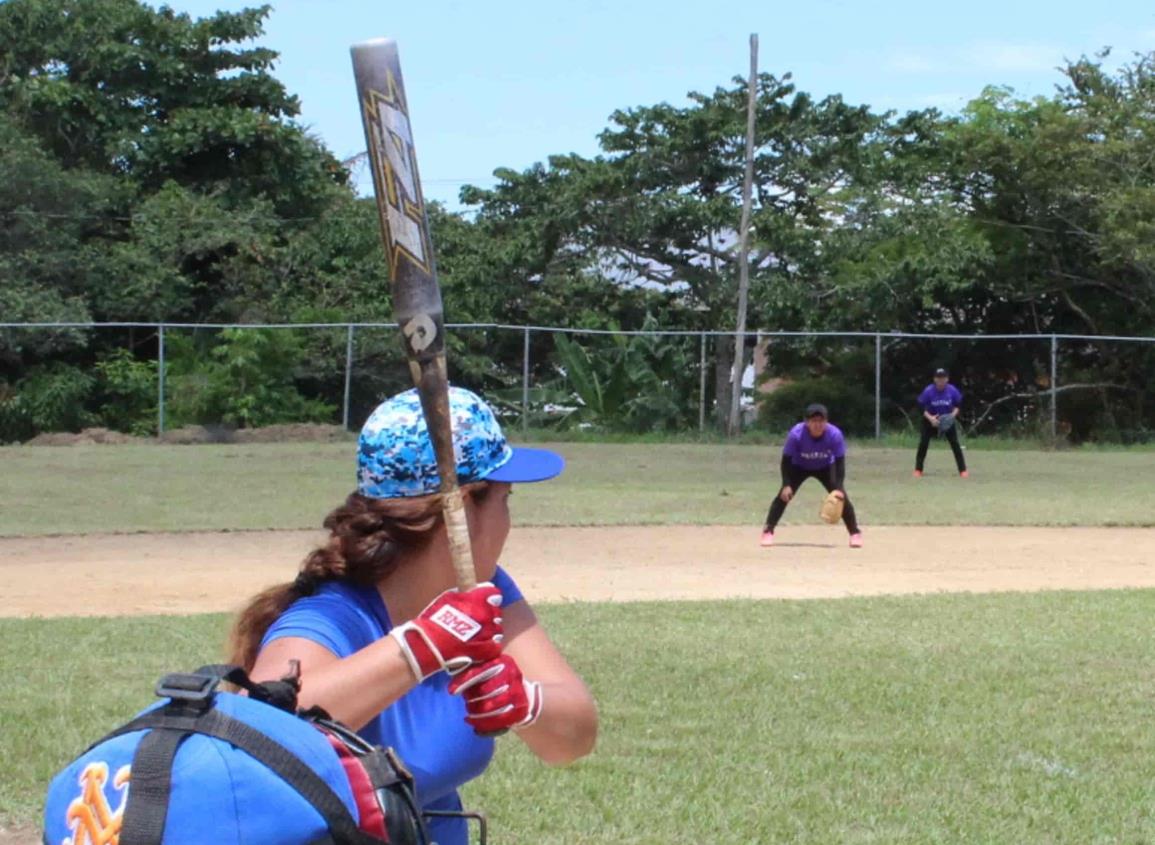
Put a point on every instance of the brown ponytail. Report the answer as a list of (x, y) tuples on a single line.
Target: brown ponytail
[(366, 537)]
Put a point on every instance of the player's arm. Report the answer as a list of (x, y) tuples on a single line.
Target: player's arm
[(356, 688), (567, 726), (789, 450), (353, 689), (838, 473), (957, 404), (924, 406), (787, 491)]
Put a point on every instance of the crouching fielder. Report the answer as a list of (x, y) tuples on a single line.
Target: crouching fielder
[(814, 448)]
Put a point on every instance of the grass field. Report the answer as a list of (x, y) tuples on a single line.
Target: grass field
[(960, 719), (81, 489), (1017, 718)]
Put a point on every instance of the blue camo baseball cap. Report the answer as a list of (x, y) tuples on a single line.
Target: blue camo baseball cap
[(395, 457)]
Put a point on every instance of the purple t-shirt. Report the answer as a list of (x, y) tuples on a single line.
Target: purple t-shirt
[(809, 453), (937, 401)]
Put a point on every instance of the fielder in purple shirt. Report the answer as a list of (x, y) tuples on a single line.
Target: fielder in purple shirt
[(940, 404), (813, 449)]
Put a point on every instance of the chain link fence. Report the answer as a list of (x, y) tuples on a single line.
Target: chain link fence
[(146, 378)]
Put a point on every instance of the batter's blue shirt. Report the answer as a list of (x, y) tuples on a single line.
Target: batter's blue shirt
[(426, 726)]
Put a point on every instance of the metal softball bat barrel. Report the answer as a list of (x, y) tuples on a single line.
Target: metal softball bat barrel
[(412, 267)]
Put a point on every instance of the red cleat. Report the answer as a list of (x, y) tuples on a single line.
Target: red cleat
[(767, 539), (856, 540), (964, 474), (918, 473)]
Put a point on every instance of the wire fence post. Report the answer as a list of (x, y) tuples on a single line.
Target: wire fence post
[(702, 385), (525, 382), (348, 376), (878, 387), (160, 381), (1054, 389)]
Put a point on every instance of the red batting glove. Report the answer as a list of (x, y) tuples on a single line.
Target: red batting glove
[(453, 632), (497, 697)]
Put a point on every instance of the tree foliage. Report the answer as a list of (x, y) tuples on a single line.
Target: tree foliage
[(152, 169)]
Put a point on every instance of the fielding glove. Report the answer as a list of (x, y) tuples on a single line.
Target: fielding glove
[(831, 510)]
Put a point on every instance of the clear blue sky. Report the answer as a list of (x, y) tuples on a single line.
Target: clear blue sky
[(506, 83)]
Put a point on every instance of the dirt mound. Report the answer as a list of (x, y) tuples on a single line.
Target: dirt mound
[(286, 433), (293, 433), (86, 437), (191, 435)]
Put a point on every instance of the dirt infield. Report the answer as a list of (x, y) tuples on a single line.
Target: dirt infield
[(97, 575)]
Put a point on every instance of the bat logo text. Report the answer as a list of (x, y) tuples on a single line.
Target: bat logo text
[(420, 332), (395, 172)]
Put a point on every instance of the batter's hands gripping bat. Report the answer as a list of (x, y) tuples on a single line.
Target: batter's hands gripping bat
[(412, 268)]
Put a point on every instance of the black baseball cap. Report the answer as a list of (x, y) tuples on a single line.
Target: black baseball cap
[(816, 409), (940, 372)]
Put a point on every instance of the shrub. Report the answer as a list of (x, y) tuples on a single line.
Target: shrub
[(247, 380), (51, 397), (851, 407), (127, 390)]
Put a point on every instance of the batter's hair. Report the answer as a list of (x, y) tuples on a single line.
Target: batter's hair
[(366, 538)]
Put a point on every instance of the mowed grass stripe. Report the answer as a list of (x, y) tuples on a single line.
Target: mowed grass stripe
[(81, 489), (998, 718)]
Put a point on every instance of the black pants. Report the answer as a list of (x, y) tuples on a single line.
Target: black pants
[(929, 431), (794, 481)]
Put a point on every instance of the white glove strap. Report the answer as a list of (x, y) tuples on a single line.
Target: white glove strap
[(536, 698), (480, 678), (400, 634)]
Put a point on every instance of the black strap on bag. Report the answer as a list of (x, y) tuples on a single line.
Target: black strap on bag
[(281, 694), (147, 805)]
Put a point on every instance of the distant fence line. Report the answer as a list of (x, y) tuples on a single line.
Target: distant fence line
[(568, 330), (1054, 339)]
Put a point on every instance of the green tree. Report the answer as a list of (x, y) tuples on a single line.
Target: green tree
[(47, 216), (661, 208), (116, 86), (1017, 216), (152, 170)]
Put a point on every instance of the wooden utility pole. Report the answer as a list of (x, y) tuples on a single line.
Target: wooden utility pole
[(735, 422)]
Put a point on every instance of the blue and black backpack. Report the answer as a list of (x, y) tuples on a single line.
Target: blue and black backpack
[(210, 766)]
